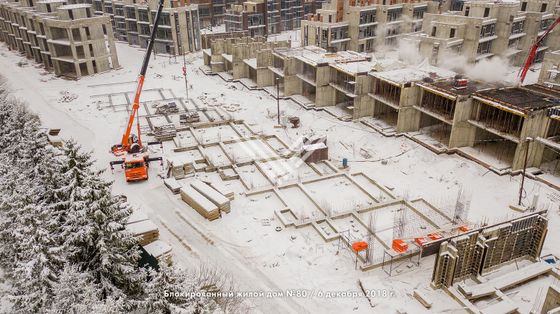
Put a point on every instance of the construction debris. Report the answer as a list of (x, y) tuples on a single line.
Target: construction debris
[(66, 97)]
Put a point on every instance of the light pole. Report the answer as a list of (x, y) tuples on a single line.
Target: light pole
[(527, 141), (185, 75), (278, 97)]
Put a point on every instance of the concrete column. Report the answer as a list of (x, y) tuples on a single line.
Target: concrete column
[(408, 117), (462, 132), (111, 44), (363, 104), (533, 126)]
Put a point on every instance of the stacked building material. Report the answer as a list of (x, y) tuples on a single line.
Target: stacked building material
[(211, 194), (172, 184), (179, 166), (160, 250), (315, 152), (225, 191), (145, 230), (199, 202)]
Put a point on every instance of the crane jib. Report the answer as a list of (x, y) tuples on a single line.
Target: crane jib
[(125, 138)]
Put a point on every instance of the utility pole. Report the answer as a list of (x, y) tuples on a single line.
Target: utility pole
[(185, 74), (527, 140), (278, 97)]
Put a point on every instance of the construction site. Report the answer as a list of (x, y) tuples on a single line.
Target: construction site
[(356, 179)]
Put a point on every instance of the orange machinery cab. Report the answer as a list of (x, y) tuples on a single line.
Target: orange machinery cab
[(135, 167)]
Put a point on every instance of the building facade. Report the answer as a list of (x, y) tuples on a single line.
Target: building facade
[(483, 29), (364, 26), (212, 12), (178, 30), (485, 249), (261, 17), (66, 38), (550, 70)]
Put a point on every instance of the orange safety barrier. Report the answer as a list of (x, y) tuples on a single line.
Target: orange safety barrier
[(435, 236), (420, 241), (400, 246), (359, 246)]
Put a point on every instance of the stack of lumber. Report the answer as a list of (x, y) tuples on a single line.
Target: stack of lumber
[(136, 216), (172, 184), (145, 230), (212, 195), (222, 189), (199, 202), (160, 250), (179, 166)]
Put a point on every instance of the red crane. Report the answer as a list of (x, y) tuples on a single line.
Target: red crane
[(533, 51), (135, 159)]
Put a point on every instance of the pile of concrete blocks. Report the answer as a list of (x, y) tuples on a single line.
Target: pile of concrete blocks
[(209, 200)]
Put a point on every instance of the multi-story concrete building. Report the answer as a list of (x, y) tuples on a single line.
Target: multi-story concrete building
[(483, 29), (66, 38), (178, 31), (550, 70), (489, 123), (212, 12), (237, 56), (261, 17), (482, 250), (363, 26)]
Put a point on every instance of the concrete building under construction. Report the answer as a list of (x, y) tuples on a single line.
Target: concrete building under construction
[(178, 31), (479, 251), (260, 17), (238, 56), (550, 70), (364, 26), (494, 125), (66, 38), (483, 29)]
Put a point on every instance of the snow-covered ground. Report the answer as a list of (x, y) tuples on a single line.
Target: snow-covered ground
[(258, 257)]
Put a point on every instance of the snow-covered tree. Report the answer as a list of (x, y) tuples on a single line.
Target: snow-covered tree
[(94, 228)]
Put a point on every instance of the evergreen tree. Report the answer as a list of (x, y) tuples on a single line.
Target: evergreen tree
[(95, 228)]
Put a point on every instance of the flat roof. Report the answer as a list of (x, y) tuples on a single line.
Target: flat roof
[(525, 99), (74, 6), (414, 74), (314, 55), (448, 87)]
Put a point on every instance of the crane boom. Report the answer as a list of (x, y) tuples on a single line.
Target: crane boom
[(126, 141), (533, 51)]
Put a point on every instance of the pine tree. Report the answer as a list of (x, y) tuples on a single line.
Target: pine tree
[(171, 290), (94, 229), (27, 229)]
